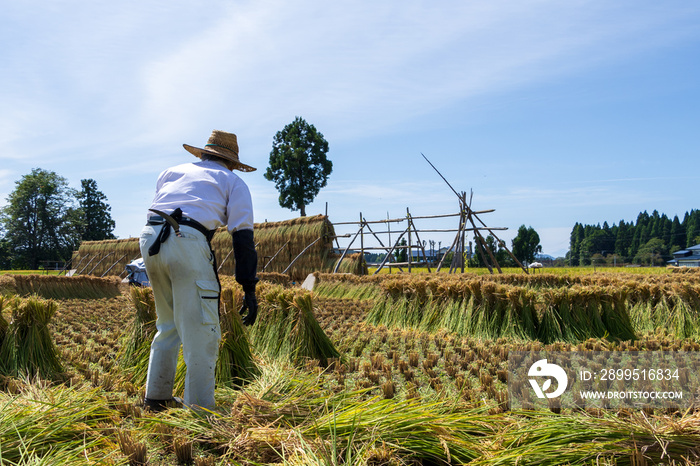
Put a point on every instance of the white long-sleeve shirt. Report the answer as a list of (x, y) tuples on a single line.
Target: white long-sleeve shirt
[(207, 192)]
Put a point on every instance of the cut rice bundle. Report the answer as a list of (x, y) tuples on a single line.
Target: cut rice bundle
[(27, 348), (235, 365), (287, 327)]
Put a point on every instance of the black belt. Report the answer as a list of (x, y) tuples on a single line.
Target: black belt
[(165, 229), (190, 222)]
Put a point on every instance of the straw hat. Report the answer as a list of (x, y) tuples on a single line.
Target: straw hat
[(223, 145)]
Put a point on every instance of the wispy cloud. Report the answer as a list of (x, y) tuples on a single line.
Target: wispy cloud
[(144, 73), (266, 62)]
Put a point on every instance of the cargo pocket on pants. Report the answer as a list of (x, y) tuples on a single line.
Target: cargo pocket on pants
[(209, 300)]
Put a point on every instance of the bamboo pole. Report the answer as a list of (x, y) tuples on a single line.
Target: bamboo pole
[(493, 258), (420, 244), (112, 266), (442, 259), (223, 261), (65, 266), (457, 257), (479, 241), (86, 265), (337, 265), (362, 241), (275, 255), (301, 253), (80, 262), (422, 217), (99, 262), (409, 251), (389, 253), (454, 242), (381, 243)]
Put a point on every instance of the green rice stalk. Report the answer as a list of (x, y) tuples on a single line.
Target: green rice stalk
[(432, 315), (6, 353), (520, 319), (615, 317), (4, 324), (680, 318), (270, 333), (454, 315), (551, 325), (420, 432), (642, 317), (344, 290), (544, 438), (54, 425)]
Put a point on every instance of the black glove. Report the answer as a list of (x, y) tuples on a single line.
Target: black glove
[(250, 304)]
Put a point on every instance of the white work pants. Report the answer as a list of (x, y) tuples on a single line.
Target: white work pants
[(186, 294)]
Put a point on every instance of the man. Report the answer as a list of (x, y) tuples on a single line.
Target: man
[(192, 200)]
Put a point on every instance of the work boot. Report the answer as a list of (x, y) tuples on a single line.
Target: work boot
[(161, 405)]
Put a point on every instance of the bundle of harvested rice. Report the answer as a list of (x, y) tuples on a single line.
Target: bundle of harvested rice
[(423, 433), (137, 346), (59, 287), (108, 257), (7, 284), (28, 349), (288, 327), (307, 336), (4, 325), (297, 246), (329, 287), (236, 364)]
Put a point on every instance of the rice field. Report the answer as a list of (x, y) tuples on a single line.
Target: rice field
[(392, 369)]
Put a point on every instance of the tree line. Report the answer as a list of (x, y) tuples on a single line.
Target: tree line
[(45, 220), (650, 240)]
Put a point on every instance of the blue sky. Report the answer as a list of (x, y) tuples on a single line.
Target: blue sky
[(549, 112)]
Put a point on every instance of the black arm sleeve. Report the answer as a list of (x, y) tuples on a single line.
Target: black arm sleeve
[(246, 259)]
